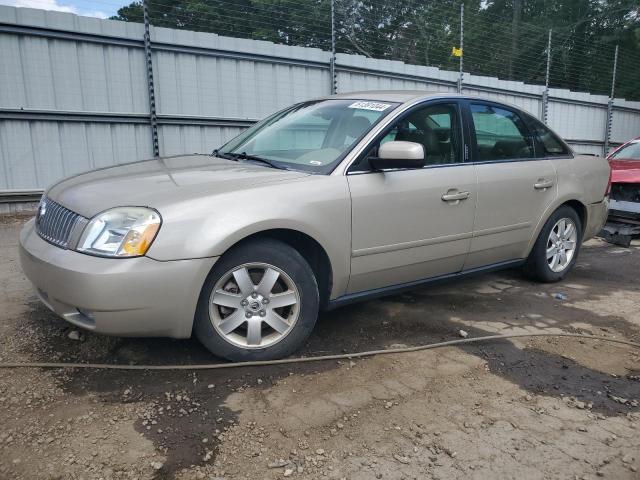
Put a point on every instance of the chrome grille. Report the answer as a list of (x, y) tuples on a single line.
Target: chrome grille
[(54, 223)]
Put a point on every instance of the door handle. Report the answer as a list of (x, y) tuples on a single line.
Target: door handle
[(455, 196), (543, 184)]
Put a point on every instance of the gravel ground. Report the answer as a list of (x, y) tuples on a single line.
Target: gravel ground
[(540, 408)]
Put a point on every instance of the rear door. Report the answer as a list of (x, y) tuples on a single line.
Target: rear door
[(413, 224), (514, 187)]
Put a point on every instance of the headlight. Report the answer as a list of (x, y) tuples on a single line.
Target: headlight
[(120, 232)]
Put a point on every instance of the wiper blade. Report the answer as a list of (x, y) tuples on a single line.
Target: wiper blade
[(255, 158), (246, 156), (227, 156)]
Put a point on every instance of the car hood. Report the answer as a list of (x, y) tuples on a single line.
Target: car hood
[(161, 181), (625, 171)]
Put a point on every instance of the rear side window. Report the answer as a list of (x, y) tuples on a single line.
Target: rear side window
[(500, 133), (548, 144)]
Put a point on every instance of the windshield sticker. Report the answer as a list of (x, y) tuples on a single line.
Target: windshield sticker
[(375, 106)]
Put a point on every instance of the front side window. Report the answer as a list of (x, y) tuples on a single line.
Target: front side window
[(311, 136), (630, 151), (435, 127), (548, 144), (500, 134)]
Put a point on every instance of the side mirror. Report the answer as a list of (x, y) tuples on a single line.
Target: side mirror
[(398, 154)]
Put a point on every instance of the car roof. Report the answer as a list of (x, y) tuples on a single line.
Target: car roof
[(405, 96), (400, 96)]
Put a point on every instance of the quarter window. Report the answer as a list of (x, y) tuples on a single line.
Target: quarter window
[(547, 143), (500, 134)]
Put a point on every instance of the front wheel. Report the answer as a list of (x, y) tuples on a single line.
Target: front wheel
[(259, 302), (555, 252)]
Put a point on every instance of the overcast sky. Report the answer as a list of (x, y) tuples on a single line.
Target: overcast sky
[(90, 8)]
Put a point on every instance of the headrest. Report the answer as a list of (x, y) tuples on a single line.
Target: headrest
[(431, 143)]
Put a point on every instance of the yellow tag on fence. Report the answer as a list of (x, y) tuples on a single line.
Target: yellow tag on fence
[(456, 52)]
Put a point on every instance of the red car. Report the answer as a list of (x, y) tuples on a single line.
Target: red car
[(625, 181)]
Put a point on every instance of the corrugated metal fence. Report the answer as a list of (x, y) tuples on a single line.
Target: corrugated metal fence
[(73, 93)]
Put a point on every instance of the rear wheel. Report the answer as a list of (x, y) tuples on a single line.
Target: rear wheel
[(556, 249), (259, 302)]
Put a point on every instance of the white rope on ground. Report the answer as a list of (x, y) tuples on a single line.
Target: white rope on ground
[(288, 361)]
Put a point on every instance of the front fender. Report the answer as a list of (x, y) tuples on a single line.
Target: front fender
[(318, 206)]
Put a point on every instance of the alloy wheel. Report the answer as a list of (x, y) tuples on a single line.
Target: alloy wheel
[(254, 305), (562, 244)]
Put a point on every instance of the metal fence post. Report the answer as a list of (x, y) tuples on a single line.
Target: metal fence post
[(460, 75), (607, 131), (545, 94), (153, 119), (332, 64)]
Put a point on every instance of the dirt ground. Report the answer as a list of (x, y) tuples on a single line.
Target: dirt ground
[(541, 408)]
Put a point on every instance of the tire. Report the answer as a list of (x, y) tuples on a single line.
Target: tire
[(255, 328), (538, 266)]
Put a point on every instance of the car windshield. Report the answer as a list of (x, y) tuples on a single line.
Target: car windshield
[(311, 136), (628, 152)]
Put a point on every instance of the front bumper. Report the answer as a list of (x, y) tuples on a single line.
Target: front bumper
[(123, 296), (625, 201)]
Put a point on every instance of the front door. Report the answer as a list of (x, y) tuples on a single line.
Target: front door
[(417, 223), (514, 188)]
